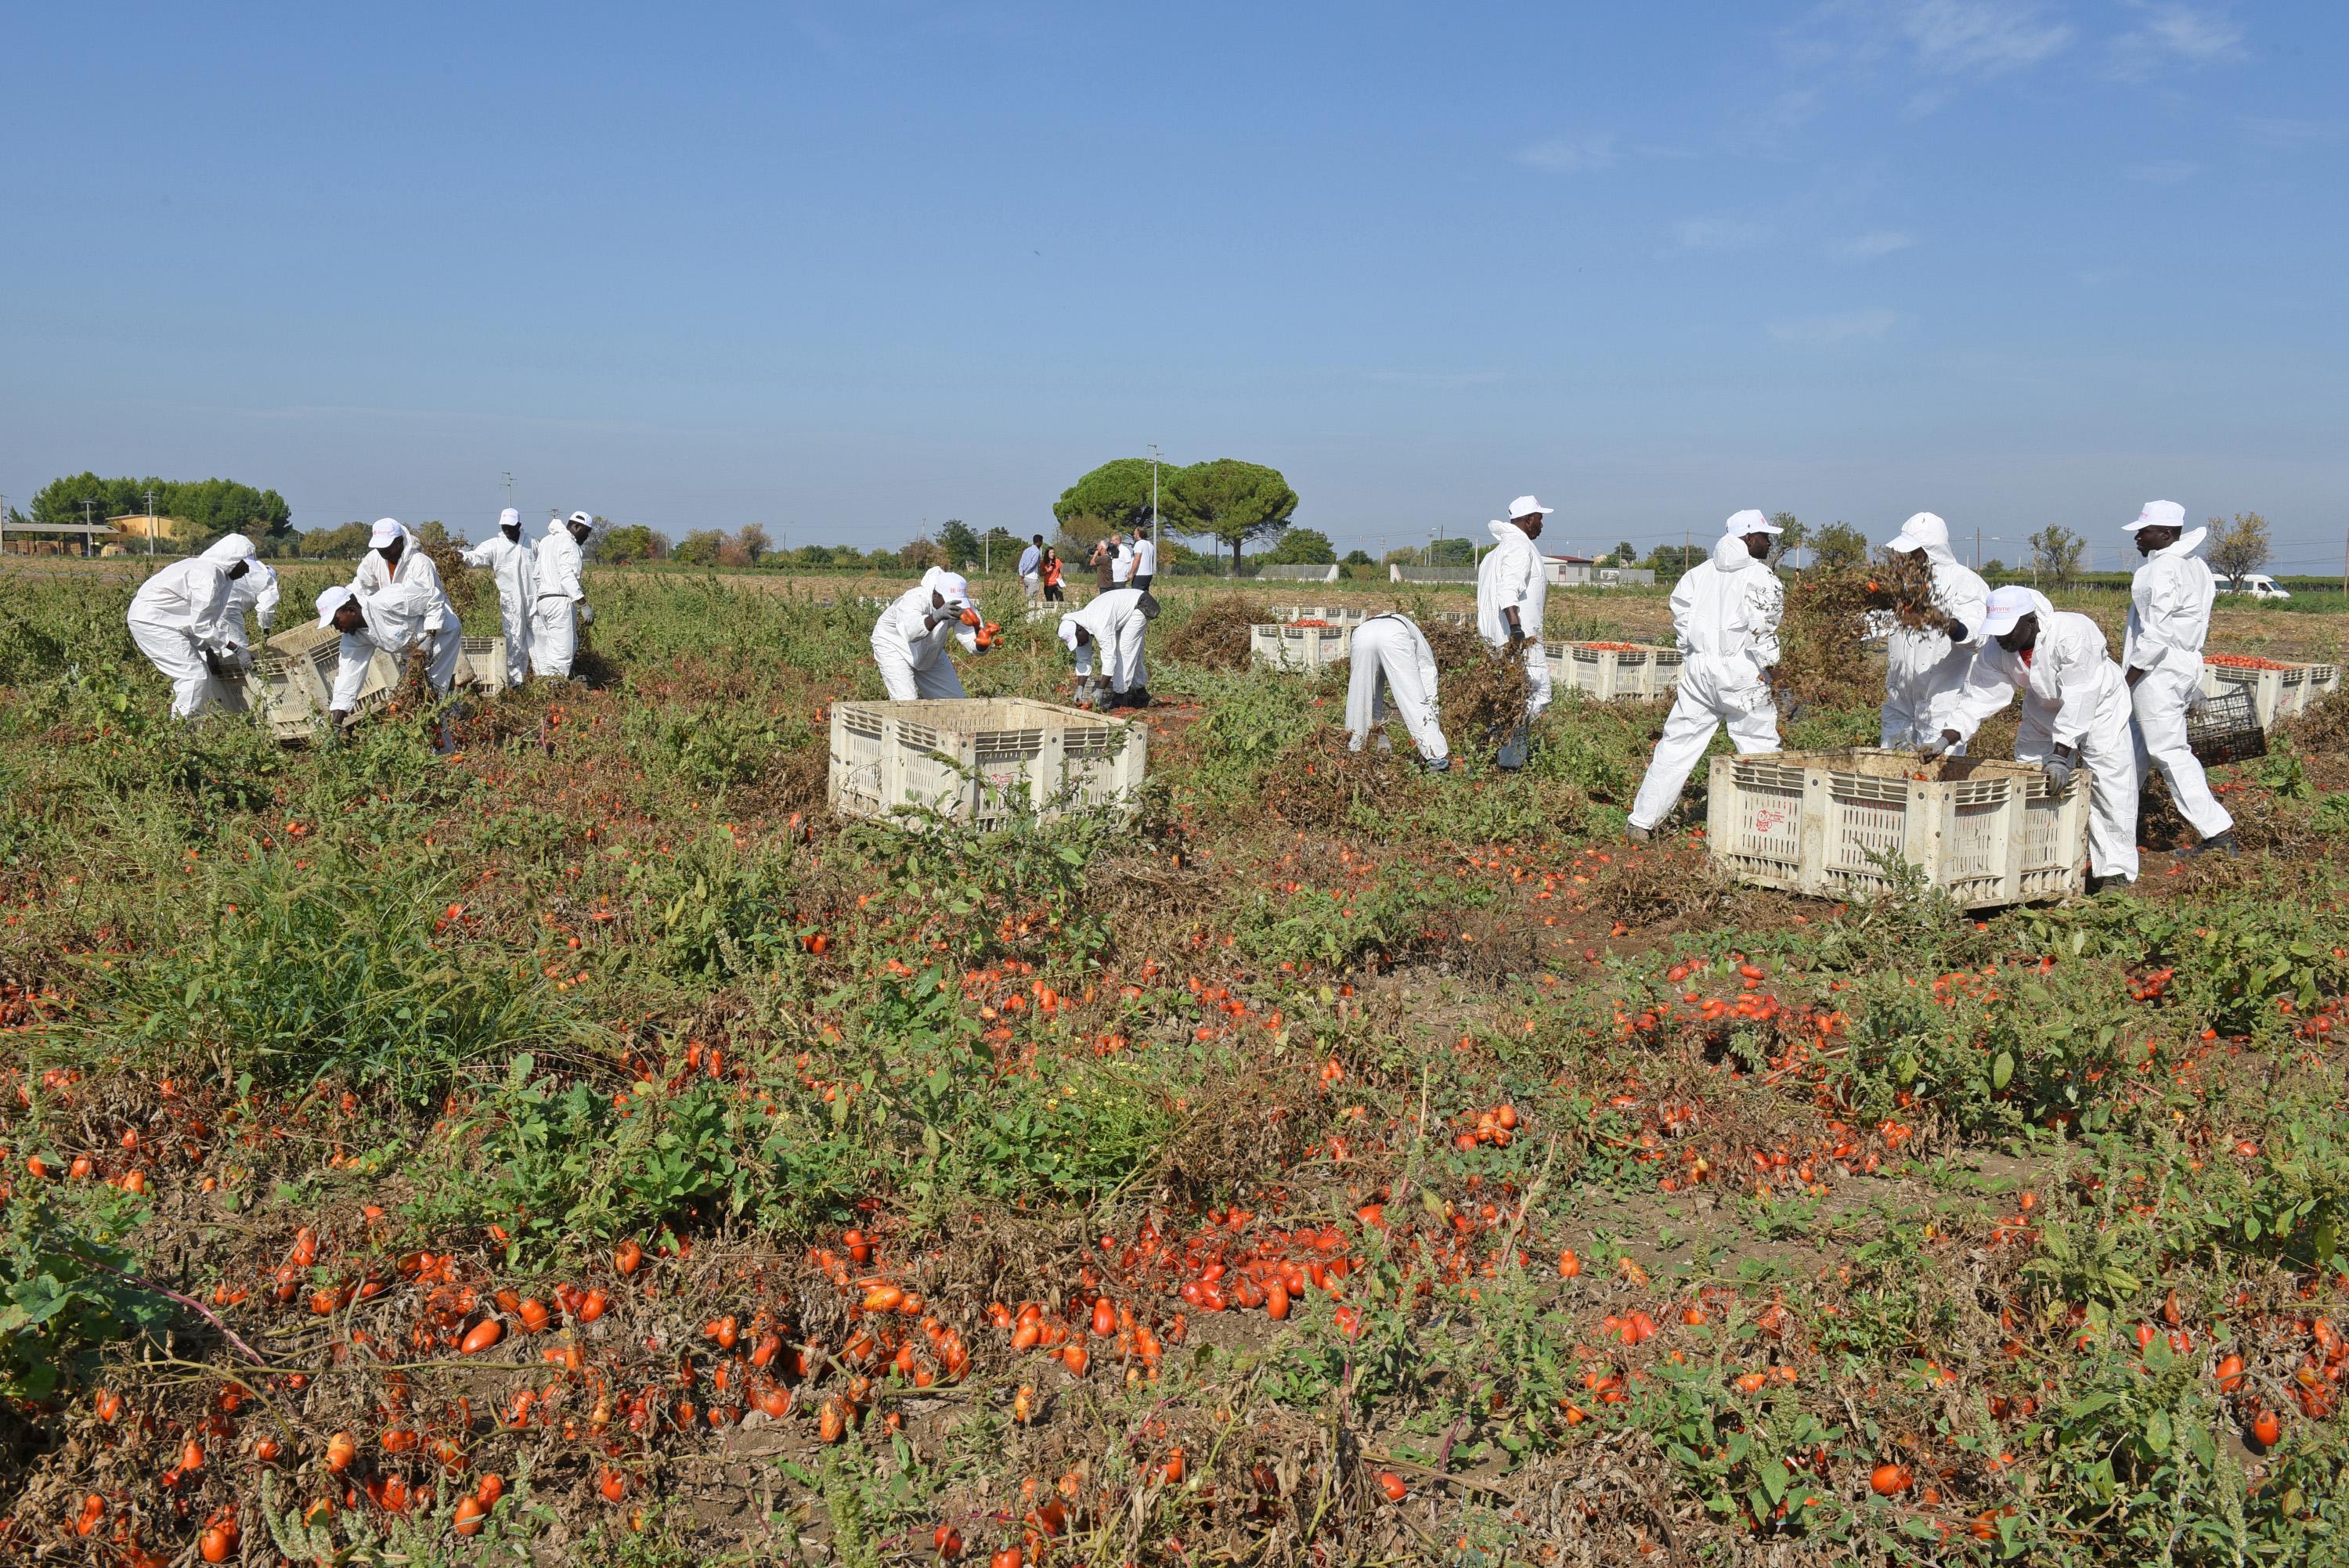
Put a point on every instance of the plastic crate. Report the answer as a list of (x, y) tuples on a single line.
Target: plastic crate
[(1301, 647), (1646, 673), (291, 683), (1985, 830), (1336, 615), (481, 662), (2226, 727), (981, 760), (2275, 694)]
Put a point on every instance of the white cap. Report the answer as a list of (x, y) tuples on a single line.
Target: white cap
[(953, 586), (1922, 531), (387, 529), (1526, 506), (331, 600), (2007, 605), (1742, 523), (2159, 514), (509, 517), (581, 519)]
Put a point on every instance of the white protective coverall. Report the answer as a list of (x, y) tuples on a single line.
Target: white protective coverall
[(2073, 695), (514, 568), (555, 607), (1512, 575), (1725, 614), (1118, 628), (911, 652), (409, 614), (254, 594), (1392, 664), (2168, 619), (1924, 670), (186, 612)]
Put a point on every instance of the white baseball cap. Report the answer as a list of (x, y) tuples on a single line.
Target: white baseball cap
[(1742, 523), (1922, 531), (386, 529), (509, 517), (1526, 506), (2006, 606), (331, 600), (2159, 514), (953, 586), (581, 519)]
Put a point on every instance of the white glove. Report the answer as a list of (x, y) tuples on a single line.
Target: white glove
[(586, 614)]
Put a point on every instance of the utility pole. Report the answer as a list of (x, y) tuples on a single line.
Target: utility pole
[(151, 522), (1153, 494), (1976, 563)]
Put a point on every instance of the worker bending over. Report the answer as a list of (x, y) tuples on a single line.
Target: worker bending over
[(404, 618), (1116, 624), (514, 570), (2168, 620), (1393, 666), (2075, 710), (256, 595), (184, 620), (1725, 618), (909, 640), (559, 606), (1924, 666), (1512, 586)]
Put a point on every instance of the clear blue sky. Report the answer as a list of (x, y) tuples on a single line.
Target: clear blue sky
[(838, 268)]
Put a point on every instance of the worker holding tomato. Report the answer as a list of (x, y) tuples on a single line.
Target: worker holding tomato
[(909, 640), (1114, 627), (1924, 666), (2168, 620), (1391, 666), (1726, 617), (2075, 713), (404, 618)]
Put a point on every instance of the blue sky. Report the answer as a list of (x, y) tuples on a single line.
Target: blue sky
[(838, 268)]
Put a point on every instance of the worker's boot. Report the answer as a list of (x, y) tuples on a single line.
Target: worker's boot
[(2220, 844), (1638, 834)]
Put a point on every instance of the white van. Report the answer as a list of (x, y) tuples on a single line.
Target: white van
[(2260, 585)]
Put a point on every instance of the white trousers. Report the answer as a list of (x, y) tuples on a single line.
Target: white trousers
[(1712, 692), (1390, 666), (1907, 722), (442, 649), (907, 684), (1034, 582), (553, 637), (2160, 700), (195, 689), (1537, 695), (2111, 761), (513, 621)]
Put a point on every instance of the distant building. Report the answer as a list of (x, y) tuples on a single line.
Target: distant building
[(54, 539), (142, 527), (1583, 571)]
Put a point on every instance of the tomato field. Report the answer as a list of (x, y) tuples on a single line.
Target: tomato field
[(577, 1146)]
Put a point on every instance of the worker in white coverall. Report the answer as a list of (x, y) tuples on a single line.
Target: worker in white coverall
[(514, 568), (1726, 615), (405, 617), (254, 594), (1925, 665), (1512, 586), (559, 605), (1391, 666), (909, 640), (2076, 711), (1111, 631), (183, 620), (2161, 658)]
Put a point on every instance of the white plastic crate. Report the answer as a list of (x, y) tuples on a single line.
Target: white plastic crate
[(2275, 694), (1336, 615), (1985, 830), (481, 662), (294, 681), (1645, 672), (980, 760), (1301, 647)]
